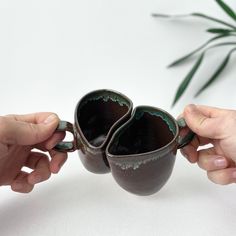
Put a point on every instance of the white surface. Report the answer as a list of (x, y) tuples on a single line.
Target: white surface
[(51, 54)]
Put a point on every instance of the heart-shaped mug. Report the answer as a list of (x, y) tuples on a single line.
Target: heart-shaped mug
[(139, 147)]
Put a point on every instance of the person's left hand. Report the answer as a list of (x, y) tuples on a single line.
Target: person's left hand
[(19, 135)]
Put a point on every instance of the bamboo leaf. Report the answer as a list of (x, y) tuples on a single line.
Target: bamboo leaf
[(221, 44), (217, 72), (220, 31), (214, 19), (184, 58), (187, 79), (161, 15), (195, 14), (227, 9), (182, 87)]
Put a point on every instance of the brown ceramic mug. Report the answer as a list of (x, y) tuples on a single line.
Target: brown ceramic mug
[(97, 115), (139, 149), (142, 152)]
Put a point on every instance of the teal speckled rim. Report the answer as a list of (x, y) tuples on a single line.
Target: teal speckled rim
[(158, 113), (139, 111), (135, 160), (79, 140), (105, 95)]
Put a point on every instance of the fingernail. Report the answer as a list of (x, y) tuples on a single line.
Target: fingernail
[(220, 162), (50, 119)]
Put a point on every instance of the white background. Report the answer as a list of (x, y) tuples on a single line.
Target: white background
[(52, 52)]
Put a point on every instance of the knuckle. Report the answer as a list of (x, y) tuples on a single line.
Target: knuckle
[(35, 131), (199, 125)]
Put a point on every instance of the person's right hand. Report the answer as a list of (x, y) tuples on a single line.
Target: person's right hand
[(217, 127)]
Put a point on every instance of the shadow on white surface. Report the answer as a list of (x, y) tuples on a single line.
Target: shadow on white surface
[(83, 203), (74, 200)]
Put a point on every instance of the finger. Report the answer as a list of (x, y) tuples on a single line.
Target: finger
[(209, 160), (190, 151), (223, 177), (21, 184), (27, 129), (51, 142), (211, 112), (203, 125), (58, 160), (34, 118), (40, 164)]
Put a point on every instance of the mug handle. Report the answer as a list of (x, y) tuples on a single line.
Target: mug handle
[(65, 146), (188, 137)]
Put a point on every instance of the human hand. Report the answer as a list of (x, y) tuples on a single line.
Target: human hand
[(217, 127), (19, 135)]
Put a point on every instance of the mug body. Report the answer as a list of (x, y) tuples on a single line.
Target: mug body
[(141, 153), (97, 115), (138, 149)]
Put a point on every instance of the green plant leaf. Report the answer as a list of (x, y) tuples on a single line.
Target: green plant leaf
[(220, 44), (220, 31), (217, 72), (184, 58), (213, 19), (187, 79), (195, 14), (227, 9), (182, 87)]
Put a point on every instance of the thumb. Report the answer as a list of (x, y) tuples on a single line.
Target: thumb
[(202, 125), (27, 129)]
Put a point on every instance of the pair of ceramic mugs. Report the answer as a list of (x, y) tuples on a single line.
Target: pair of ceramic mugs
[(138, 147)]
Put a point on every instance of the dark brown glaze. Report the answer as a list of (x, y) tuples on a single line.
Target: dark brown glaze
[(142, 152), (97, 116), (148, 178)]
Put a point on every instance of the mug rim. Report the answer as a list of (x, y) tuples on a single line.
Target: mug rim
[(124, 157), (83, 139)]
